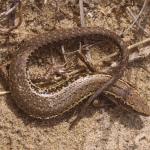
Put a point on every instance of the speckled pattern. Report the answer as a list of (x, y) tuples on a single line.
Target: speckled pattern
[(50, 105), (104, 128)]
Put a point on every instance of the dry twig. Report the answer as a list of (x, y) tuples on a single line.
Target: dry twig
[(7, 31), (6, 13), (139, 43), (138, 16), (4, 93), (82, 19), (137, 56), (137, 23)]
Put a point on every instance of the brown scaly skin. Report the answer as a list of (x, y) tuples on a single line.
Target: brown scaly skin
[(54, 104), (124, 95)]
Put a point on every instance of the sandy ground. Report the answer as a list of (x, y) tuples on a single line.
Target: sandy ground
[(108, 128)]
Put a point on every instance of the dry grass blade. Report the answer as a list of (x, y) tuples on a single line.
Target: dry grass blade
[(137, 23), (6, 13), (4, 93), (139, 43), (82, 19), (6, 32), (138, 16)]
